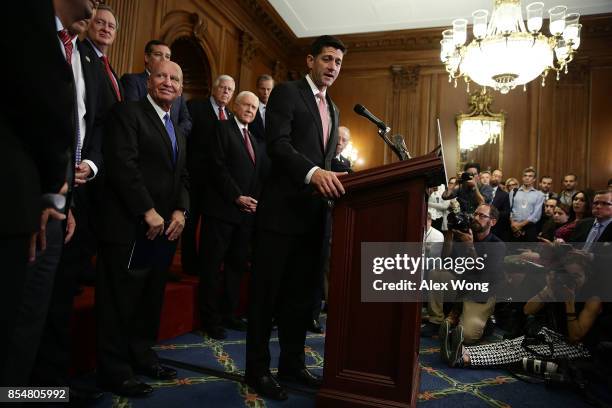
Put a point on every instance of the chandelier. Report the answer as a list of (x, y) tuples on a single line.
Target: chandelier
[(505, 54)]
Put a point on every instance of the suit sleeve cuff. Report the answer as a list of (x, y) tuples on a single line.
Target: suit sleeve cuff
[(94, 168), (309, 174)]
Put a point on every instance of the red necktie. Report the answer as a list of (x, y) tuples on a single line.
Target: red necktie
[(222, 114), (324, 117), (67, 41), (109, 72), (249, 146)]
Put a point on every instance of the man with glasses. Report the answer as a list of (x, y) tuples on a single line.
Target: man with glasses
[(470, 318), (597, 229)]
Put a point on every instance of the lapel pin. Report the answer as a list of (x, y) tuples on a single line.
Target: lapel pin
[(87, 58)]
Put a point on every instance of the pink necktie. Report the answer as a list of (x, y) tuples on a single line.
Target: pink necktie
[(249, 146), (324, 112)]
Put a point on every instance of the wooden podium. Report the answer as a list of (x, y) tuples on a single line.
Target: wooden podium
[(371, 349)]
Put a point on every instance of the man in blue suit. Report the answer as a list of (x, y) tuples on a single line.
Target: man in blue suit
[(135, 85)]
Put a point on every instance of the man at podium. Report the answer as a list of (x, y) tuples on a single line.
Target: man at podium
[(301, 138)]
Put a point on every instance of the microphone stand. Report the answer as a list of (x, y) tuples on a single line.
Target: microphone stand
[(398, 146)]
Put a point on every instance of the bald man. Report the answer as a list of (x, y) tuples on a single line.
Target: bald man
[(143, 215)]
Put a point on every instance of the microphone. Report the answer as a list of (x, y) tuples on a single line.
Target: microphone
[(361, 110)]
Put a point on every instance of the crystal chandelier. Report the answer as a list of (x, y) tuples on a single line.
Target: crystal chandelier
[(503, 53)]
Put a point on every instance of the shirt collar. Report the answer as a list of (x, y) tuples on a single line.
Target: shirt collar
[(241, 125), (604, 223), (216, 106), (99, 53), (313, 87), (160, 112)]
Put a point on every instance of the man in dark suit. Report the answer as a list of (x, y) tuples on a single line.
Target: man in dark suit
[(206, 114), (265, 84), (145, 199), (501, 201), (236, 164), (49, 287), (339, 162), (597, 229), (36, 152), (301, 139), (135, 85)]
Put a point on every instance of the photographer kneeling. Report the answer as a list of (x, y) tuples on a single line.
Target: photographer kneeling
[(473, 239), (579, 326)]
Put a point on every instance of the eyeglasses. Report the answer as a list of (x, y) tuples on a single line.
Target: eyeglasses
[(602, 203), (481, 215)]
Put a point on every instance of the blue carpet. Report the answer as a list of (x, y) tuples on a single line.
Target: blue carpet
[(440, 386)]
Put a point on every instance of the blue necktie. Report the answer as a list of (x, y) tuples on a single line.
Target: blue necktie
[(171, 135), (592, 237)]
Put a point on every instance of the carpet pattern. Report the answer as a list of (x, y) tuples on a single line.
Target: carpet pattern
[(440, 386)]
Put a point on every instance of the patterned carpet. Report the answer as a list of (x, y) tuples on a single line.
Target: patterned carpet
[(440, 386)]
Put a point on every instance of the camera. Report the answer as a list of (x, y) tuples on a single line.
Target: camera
[(540, 367), (460, 221), (465, 176)]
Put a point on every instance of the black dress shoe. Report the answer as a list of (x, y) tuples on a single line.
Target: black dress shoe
[(315, 327), (267, 386), (302, 376), (216, 332), (235, 323), (159, 372), (132, 388)]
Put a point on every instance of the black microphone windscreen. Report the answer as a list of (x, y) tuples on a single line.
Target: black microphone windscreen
[(359, 108)]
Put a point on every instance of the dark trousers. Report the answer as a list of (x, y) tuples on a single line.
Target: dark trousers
[(190, 259), (54, 355), (227, 244), (14, 256), (128, 309), (284, 278), (32, 314)]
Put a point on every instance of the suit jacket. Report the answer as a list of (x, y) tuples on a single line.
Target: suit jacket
[(341, 164), (232, 173), (36, 122), (257, 127), (294, 139), (583, 227), (203, 132), (140, 173), (135, 89), (501, 201)]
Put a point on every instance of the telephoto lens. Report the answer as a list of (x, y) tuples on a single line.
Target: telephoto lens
[(534, 366)]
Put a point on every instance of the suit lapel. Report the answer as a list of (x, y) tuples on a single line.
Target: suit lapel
[(333, 135), (309, 100), (161, 130), (240, 138)]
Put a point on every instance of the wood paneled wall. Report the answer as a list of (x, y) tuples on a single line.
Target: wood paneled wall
[(563, 127)]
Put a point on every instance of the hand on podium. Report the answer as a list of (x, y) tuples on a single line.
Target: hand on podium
[(327, 183)]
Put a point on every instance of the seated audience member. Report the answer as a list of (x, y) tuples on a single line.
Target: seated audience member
[(470, 193), (589, 230), (478, 241), (570, 182), (511, 184), (547, 215), (580, 209), (581, 327), (526, 208), (437, 207), (561, 215)]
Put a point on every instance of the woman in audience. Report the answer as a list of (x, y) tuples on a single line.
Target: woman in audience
[(511, 184), (581, 208), (574, 340), (561, 216)]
